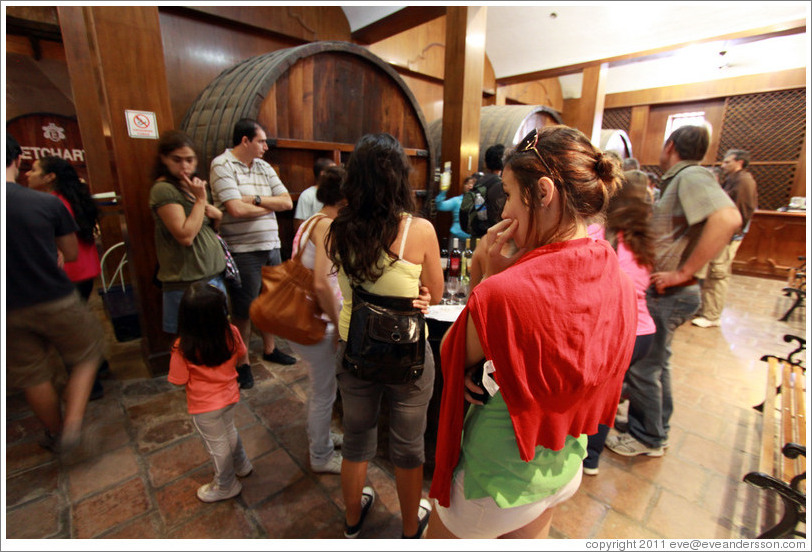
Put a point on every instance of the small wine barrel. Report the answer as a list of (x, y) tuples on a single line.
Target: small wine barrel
[(616, 140), (314, 100), (498, 124)]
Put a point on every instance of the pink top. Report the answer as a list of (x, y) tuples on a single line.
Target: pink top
[(208, 388), (86, 265), (640, 276)]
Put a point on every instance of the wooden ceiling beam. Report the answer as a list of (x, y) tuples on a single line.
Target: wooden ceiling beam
[(741, 37), (402, 20)]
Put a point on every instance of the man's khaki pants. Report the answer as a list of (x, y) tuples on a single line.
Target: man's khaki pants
[(716, 279)]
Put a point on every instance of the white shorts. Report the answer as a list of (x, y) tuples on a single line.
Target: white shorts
[(481, 518)]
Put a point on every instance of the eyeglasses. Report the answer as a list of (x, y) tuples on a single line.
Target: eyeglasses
[(529, 144)]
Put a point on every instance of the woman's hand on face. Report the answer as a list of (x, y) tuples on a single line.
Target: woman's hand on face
[(423, 300), (471, 386), (196, 186), (496, 240), (213, 212)]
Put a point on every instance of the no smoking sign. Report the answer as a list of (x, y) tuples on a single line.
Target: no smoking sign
[(141, 124)]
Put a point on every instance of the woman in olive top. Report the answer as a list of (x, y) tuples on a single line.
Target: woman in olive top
[(186, 241)]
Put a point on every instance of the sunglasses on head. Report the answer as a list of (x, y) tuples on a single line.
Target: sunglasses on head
[(529, 143)]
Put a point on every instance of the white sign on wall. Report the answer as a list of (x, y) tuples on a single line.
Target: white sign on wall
[(141, 124)]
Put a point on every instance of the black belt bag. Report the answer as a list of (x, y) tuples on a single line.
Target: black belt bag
[(387, 339)]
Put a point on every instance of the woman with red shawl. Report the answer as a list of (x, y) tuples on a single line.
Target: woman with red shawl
[(553, 325)]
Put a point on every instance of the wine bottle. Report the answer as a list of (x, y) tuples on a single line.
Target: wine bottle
[(444, 259), (454, 258), (467, 254)]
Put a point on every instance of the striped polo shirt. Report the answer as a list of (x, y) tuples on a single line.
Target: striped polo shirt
[(233, 179)]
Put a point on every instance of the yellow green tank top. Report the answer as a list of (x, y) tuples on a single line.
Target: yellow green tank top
[(493, 467), (399, 279)]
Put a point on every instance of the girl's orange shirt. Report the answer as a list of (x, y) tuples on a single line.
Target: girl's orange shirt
[(208, 388)]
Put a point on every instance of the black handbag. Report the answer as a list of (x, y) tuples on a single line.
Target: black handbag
[(387, 339)]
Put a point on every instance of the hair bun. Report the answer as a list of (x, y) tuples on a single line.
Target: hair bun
[(608, 170)]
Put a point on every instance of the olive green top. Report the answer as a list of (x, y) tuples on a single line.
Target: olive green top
[(204, 259)]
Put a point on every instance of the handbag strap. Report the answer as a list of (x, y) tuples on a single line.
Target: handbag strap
[(311, 222)]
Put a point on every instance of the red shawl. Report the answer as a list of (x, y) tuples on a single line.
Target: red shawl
[(559, 326)]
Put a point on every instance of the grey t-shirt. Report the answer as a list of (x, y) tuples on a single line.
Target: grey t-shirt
[(690, 195)]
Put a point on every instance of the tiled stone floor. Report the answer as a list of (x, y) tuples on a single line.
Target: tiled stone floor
[(142, 482)]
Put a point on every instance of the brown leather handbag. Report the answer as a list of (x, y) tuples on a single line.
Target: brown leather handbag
[(286, 305)]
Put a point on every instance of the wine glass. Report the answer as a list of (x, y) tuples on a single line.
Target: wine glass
[(453, 286)]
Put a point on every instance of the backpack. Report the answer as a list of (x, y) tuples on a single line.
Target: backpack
[(474, 206)]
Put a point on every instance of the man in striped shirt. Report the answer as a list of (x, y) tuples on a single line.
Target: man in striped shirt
[(249, 193)]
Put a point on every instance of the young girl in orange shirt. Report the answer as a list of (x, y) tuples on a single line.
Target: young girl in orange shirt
[(204, 359)]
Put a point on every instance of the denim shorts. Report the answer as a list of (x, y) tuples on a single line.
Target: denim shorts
[(171, 300), (408, 407), (250, 265)]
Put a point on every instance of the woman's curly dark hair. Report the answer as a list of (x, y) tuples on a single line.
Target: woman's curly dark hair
[(68, 184), (378, 192)]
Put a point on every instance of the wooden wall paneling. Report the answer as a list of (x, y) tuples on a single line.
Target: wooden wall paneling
[(305, 23), (657, 121), (765, 82), (198, 48), (799, 183), (462, 98), (638, 129), (107, 34), (420, 49), (48, 49), (542, 92), (398, 22)]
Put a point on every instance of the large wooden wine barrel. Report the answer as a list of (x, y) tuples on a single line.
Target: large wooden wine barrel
[(498, 124), (314, 100)]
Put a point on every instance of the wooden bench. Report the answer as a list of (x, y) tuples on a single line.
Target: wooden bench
[(782, 461), (796, 285)]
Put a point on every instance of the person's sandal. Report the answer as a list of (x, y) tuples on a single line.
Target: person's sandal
[(367, 500), (423, 513)]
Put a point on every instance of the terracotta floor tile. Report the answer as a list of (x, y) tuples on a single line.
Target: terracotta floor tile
[(101, 472), (618, 526), (272, 473), (623, 491), (173, 461), (20, 429), (98, 513), (694, 490), (709, 454), (30, 484), (243, 416), (222, 520), (286, 410), (300, 511), (139, 528), (579, 517), (257, 440), (683, 478), (178, 502), (36, 520), (678, 518), (26, 455)]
